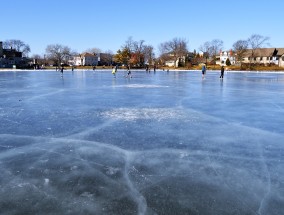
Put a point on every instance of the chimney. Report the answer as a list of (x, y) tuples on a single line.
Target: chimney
[(1, 48)]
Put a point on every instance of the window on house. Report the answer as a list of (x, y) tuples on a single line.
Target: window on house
[(260, 58), (277, 58)]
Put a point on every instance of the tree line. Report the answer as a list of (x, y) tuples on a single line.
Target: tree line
[(138, 53)]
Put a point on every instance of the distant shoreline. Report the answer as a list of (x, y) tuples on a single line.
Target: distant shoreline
[(192, 68), (141, 70), (209, 68)]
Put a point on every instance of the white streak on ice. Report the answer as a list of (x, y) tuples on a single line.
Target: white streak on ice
[(132, 114), (137, 196), (263, 203), (142, 86)]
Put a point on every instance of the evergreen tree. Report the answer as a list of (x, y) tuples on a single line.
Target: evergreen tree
[(228, 62)]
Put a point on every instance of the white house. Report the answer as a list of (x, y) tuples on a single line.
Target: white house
[(222, 58), (171, 62), (85, 59)]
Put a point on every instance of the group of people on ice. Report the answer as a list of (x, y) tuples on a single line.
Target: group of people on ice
[(114, 70)]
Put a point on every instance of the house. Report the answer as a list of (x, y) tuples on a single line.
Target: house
[(281, 61), (180, 61), (85, 59), (176, 63), (10, 58), (171, 63), (265, 56), (104, 59), (224, 56)]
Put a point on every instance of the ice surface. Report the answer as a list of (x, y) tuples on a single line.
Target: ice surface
[(158, 143)]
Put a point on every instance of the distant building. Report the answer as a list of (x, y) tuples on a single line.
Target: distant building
[(10, 58), (104, 59), (265, 56), (85, 59), (224, 56), (171, 63), (180, 61)]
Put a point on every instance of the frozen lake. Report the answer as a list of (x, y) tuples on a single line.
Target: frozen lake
[(164, 143)]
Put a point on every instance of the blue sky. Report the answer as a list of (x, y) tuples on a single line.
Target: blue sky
[(107, 24)]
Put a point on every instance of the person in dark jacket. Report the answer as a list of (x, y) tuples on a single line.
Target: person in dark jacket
[(61, 70), (222, 72), (203, 70)]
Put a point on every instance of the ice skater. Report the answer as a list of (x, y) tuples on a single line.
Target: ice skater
[(128, 72), (147, 68), (222, 72), (114, 70), (61, 70), (203, 70)]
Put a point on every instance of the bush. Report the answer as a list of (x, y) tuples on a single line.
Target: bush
[(228, 62)]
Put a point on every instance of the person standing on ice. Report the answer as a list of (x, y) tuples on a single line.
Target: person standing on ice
[(222, 72), (203, 70), (114, 70), (61, 70), (128, 72)]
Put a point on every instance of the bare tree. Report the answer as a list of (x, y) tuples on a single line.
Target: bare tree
[(135, 53), (255, 42), (129, 43), (205, 48), (36, 56), (108, 57), (138, 48), (26, 50), (38, 59), (163, 56), (94, 50), (127, 48), (18, 45), (58, 53), (149, 54), (110, 52), (216, 46), (176, 48), (135, 49), (211, 49), (240, 48)]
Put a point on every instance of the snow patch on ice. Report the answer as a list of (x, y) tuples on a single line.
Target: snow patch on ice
[(132, 114)]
